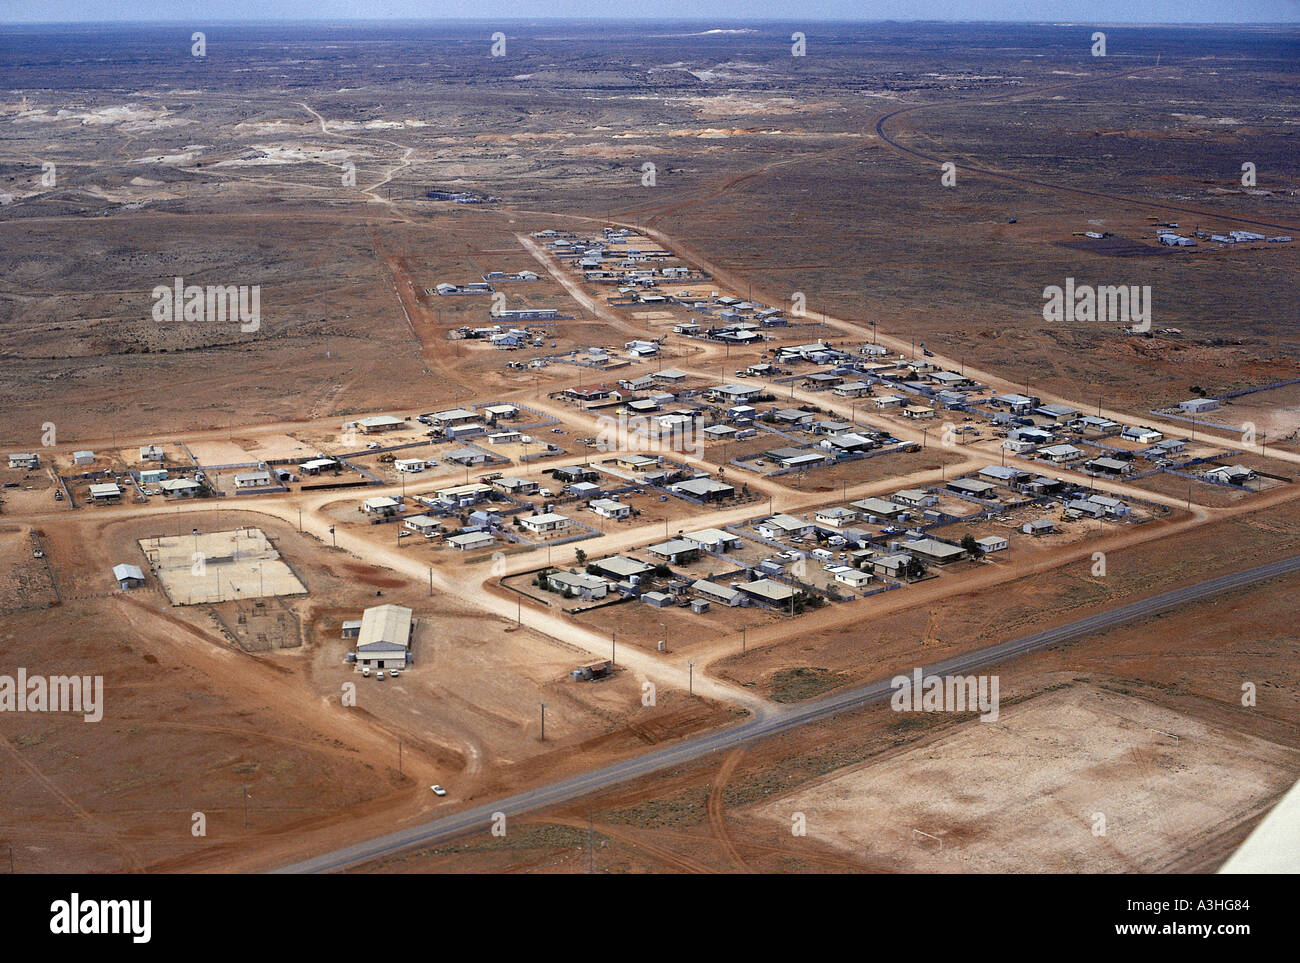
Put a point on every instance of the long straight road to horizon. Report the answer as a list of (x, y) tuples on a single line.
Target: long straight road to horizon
[(585, 784)]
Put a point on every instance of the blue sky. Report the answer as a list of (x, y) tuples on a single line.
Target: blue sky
[(1080, 11)]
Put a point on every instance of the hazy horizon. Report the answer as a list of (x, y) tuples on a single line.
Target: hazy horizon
[(725, 12)]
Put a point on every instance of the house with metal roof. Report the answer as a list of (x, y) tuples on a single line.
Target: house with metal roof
[(892, 564), (468, 541), (790, 457), (1231, 474), (852, 577), (381, 505), (714, 539), (608, 508), (1141, 433), (1061, 454), (1002, 474), (581, 585), (836, 517), (1015, 402), (973, 486), (705, 489), (253, 479), (878, 507), (1109, 466), (544, 523), (783, 526), (180, 487), (621, 567), (732, 394), (1113, 506), (379, 423), (1057, 412), (422, 524), (933, 550), (675, 550), (128, 576), (1082, 506), (767, 591), (515, 486), (715, 592), (104, 491), (915, 498), (460, 496)]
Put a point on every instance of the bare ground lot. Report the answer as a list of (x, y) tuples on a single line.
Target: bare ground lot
[(24, 579), (1026, 791)]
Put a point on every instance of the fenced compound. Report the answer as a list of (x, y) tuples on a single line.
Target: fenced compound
[(219, 567)]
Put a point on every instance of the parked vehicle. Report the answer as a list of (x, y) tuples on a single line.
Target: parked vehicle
[(379, 676), (365, 672), (438, 790)]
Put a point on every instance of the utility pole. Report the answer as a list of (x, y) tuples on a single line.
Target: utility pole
[(743, 630), (299, 521), (690, 683), (613, 648), (431, 580), (543, 705), (399, 756)]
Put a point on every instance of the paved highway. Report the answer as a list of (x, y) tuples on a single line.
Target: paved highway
[(480, 817)]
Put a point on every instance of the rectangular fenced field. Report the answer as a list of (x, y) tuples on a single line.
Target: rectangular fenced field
[(219, 566)]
